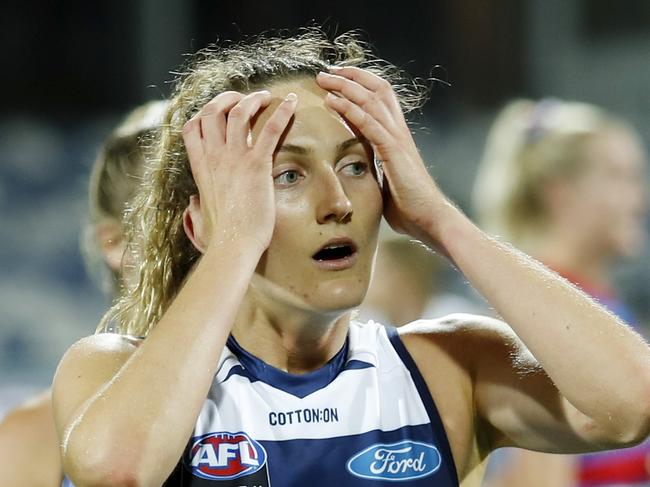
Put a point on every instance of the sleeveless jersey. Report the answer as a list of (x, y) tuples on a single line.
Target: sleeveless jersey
[(364, 419)]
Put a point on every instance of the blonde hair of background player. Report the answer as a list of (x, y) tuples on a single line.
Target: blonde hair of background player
[(535, 148), (27, 433), (115, 178)]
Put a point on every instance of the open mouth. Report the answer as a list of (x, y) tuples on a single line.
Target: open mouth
[(337, 251), (334, 252)]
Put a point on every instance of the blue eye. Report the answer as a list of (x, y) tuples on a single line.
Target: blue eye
[(356, 168), (287, 177)]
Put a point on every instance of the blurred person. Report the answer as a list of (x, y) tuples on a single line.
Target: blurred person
[(419, 274), (115, 177), (566, 182), (254, 235), (29, 444)]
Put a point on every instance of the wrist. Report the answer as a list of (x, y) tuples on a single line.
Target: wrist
[(236, 244), (449, 230), (246, 251)]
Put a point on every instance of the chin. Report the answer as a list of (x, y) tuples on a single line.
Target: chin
[(339, 295), (631, 249), (629, 243)]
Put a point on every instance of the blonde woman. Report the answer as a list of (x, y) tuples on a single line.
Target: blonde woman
[(255, 234), (29, 444), (566, 182)]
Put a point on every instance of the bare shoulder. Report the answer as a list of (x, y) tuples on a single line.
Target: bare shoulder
[(27, 432), (87, 366), (458, 330), (34, 409), (26, 419), (448, 352), (95, 355), (472, 340)]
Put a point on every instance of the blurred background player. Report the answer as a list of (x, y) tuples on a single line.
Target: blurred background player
[(29, 450), (566, 182), (410, 282)]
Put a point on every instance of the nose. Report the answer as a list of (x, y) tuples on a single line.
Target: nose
[(333, 202)]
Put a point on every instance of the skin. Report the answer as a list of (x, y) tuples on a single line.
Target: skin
[(27, 433), (335, 195), (110, 237), (598, 216), (489, 389)]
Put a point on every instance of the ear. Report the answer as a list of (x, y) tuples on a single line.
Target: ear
[(111, 243), (194, 225)]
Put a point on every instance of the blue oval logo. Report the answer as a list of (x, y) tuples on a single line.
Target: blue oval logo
[(406, 460)]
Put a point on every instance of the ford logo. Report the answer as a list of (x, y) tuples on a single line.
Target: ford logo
[(406, 460)]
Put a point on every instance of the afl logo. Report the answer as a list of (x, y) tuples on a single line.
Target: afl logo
[(223, 456)]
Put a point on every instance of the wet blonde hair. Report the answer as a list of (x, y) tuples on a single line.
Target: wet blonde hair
[(115, 176), (162, 253), (529, 145)]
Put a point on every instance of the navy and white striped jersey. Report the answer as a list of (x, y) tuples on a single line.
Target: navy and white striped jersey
[(364, 419)]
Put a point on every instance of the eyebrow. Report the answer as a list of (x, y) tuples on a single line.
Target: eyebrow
[(303, 151)]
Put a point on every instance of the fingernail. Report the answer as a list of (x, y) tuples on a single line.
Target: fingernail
[(331, 97), (323, 73), (335, 68), (291, 97)]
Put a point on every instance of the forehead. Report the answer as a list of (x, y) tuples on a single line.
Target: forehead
[(620, 149), (313, 121)]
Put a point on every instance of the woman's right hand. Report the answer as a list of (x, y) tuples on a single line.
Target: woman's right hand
[(233, 174)]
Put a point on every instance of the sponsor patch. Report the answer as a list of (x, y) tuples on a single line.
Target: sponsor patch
[(223, 456), (406, 460)]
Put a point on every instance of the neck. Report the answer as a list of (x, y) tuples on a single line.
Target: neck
[(568, 251), (288, 337)]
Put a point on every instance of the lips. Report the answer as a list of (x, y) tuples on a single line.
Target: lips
[(336, 254)]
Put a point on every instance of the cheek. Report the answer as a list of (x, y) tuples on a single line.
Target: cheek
[(367, 199), (289, 239)]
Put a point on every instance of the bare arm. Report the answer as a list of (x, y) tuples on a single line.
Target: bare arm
[(595, 368), (126, 413), (592, 390)]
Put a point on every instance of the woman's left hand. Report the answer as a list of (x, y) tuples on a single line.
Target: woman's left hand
[(412, 200)]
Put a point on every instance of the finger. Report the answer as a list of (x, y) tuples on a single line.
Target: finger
[(239, 118), (369, 101), (365, 78), (362, 120), (213, 120), (351, 89), (372, 82), (275, 126), (193, 145)]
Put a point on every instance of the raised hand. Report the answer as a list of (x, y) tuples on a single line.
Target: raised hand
[(369, 103), (233, 174)]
